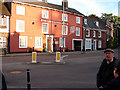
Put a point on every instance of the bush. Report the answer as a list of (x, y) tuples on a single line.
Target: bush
[(114, 42)]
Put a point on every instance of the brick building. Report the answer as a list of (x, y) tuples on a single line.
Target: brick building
[(44, 26)]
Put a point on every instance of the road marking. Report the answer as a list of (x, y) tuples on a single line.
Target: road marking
[(64, 56)]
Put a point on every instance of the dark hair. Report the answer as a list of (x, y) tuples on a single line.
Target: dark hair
[(117, 66)]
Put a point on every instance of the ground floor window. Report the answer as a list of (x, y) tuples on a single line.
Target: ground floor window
[(38, 42), (99, 44), (3, 42), (88, 44), (22, 41), (61, 42)]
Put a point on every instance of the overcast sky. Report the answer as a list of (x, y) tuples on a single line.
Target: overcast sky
[(88, 7)]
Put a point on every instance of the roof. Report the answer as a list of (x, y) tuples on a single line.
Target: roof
[(91, 23), (55, 6), (5, 10)]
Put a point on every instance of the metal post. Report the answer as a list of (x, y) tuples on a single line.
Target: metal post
[(28, 79), (33, 49), (4, 51), (60, 49)]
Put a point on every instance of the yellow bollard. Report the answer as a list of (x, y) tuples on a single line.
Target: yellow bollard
[(34, 57), (58, 56)]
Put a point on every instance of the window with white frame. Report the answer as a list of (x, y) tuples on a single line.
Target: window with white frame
[(77, 31), (20, 10), (64, 29), (78, 20), (94, 34), (72, 29), (3, 22), (61, 42), (87, 33), (97, 23), (45, 28), (88, 43), (99, 34), (99, 44), (22, 41), (3, 42), (64, 17), (85, 21), (20, 26), (45, 14), (38, 42)]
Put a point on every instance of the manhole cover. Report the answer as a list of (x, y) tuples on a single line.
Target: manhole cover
[(15, 72)]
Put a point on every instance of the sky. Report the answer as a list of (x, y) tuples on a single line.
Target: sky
[(88, 7)]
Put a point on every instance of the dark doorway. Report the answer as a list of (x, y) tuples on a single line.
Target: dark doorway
[(77, 45)]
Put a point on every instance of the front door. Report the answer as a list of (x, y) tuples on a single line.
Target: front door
[(49, 44), (94, 44), (77, 45)]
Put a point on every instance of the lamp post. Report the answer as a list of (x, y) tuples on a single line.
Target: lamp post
[(63, 26)]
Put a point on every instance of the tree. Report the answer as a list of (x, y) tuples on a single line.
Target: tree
[(115, 20)]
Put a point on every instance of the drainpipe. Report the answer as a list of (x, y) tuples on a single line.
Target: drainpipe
[(83, 39), (9, 37)]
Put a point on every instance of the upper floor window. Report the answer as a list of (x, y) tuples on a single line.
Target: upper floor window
[(45, 28), (20, 10), (38, 42), (64, 17), (97, 24), (64, 30), (78, 20), (45, 14), (3, 22), (87, 33), (22, 41), (77, 31), (85, 21), (94, 33), (99, 34), (20, 26), (72, 29), (3, 42)]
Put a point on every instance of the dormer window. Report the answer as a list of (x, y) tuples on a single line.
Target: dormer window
[(87, 33), (3, 22), (85, 21), (97, 24)]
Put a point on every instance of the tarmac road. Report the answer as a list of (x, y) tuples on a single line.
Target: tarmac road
[(79, 71)]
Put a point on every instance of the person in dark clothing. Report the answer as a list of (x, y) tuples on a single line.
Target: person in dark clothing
[(105, 73), (115, 83), (3, 85)]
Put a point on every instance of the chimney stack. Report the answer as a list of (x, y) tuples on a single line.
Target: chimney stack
[(65, 3)]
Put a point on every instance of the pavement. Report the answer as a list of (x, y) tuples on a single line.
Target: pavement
[(50, 53)]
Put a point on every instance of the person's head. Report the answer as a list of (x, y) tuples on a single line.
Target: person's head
[(117, 69), (109, 54)]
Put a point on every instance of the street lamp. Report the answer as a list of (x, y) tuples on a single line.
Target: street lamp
[(63, 25), (65, 5)]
